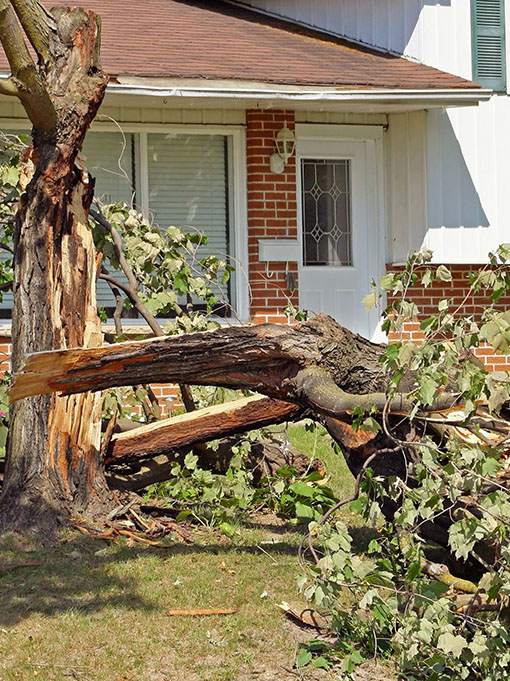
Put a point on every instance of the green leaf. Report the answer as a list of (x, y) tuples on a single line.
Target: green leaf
[(428, 389), (370, 300), (227, 529), (451, 643), (304, 657), (443, 273), (279, 486), (370, 425), (302, 489), (426, 280), (190, 461), (304, 511), (321, 663), (387, 281)]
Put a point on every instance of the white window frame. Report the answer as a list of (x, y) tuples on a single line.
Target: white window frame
[(237, 190), (236, 139)]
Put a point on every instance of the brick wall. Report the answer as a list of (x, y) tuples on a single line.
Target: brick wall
[(457, 291), (272, 214), (5, 353)]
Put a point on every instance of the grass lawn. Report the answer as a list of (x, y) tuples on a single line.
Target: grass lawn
[(92, 611)]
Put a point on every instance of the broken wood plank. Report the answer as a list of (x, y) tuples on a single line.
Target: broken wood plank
[(203, 425)]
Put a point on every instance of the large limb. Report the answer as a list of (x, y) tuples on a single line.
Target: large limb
[(25, 82), (39, 26), (203, 425), (317, 364), (265, 358)]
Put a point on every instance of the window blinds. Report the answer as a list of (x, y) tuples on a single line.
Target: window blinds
[(188, 188)]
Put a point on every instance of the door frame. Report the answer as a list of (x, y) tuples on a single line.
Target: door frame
[(371, 136)]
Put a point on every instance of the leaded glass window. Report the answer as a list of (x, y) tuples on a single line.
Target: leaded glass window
[(326, 198)]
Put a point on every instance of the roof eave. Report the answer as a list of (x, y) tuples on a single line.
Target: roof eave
[(264, 94), (247, 94)]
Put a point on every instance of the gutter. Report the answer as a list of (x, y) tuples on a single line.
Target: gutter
[(232, 90), (302, 94)]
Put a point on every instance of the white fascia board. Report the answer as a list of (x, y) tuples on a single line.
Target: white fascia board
[(251, 93), (264, 91)]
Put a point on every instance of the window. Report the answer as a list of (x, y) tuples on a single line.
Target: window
[(178, 178), (488, 43), (326, 199), (188, 182), (188, 188)]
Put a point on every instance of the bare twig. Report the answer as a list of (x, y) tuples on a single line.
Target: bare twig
[(131, 290)]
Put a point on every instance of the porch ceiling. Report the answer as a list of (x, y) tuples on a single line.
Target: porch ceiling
[(206, 50)]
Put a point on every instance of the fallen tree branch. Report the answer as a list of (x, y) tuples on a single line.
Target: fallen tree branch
[(200, 612), (317, 364), (187, 430)]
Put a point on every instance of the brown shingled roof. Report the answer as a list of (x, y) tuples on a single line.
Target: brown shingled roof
[(215, 40)]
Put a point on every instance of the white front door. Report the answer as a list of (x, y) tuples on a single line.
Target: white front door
[(340, 228)]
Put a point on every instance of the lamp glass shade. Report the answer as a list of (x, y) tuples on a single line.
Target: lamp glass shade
[(285, 143)]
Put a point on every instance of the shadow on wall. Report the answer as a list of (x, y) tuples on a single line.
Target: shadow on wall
[(453, 200)]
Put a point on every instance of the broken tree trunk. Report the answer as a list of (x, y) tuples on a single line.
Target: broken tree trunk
[(53, 466), (317, 365), (203, 425)]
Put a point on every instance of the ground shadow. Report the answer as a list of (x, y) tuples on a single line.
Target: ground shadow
[(70, 576), (79, 575)]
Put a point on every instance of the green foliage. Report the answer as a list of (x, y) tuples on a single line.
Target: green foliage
[(167, 264), (301, 498), (224, 500), (383, 600), (11, 147), (210, 499)]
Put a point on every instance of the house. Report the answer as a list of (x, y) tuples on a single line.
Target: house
[(315, 143)]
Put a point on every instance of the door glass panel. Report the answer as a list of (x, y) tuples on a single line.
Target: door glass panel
[(326, 200)]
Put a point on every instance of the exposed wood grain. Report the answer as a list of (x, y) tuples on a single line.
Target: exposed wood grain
[(199, 426), (264, 358)]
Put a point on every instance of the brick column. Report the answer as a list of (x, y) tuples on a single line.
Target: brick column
[(272, 214)]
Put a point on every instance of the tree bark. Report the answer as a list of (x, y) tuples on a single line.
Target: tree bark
[(276, 360), (53, 466)]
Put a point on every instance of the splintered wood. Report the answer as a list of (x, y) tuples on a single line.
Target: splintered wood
[(199, 426)]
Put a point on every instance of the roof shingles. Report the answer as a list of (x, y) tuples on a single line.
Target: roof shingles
[(217, 41)]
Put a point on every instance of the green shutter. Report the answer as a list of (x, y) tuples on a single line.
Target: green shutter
[(488, 23)]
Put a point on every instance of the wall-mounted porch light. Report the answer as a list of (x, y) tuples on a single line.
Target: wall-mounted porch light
[(285, 143)]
